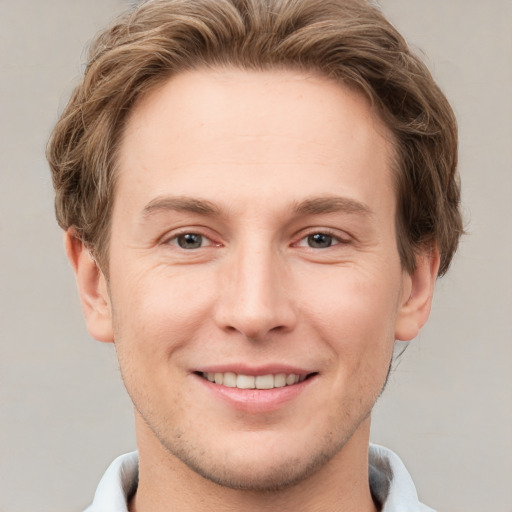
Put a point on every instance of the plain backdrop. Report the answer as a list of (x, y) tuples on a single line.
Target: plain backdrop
[(447, 410)]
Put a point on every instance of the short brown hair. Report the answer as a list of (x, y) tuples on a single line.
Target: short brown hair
[(349, 41)]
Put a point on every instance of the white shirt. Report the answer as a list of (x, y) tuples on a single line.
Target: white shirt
[(390, 483)]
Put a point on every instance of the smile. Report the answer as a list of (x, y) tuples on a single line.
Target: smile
[(241, 381)]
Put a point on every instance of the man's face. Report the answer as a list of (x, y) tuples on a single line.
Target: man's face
[(253, 245)]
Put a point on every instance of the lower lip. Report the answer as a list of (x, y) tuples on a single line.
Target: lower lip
[(256, 401)]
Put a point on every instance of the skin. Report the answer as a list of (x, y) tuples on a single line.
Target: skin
[(254, 164)]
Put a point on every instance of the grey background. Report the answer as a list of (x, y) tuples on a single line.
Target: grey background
[(448, 407)]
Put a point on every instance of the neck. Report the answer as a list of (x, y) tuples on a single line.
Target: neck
[(167, 484)]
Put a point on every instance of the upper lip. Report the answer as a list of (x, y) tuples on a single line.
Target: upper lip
[(244, 369)]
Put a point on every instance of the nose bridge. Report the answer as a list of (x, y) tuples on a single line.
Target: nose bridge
[(254, 297)]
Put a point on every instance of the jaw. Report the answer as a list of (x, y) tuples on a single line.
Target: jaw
[(256, 439), (236, 480)]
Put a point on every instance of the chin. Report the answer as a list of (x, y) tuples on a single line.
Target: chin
[(267, 467), (259, 477)]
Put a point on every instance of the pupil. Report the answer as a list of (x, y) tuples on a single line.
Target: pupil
[(319, 240), (190, 241)]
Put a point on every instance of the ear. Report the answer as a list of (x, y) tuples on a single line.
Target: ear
[(92, 287), (418, 291)]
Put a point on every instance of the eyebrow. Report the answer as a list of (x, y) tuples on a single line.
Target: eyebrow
[(313, 206), (320, 205), (181, 204)]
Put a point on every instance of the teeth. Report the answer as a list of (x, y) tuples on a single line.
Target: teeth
[(280, 380), (264, 382), (245, 382), (290, 379), (240, 381), (229, 380)]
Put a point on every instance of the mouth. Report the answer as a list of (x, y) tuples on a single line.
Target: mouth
[(242, 381)]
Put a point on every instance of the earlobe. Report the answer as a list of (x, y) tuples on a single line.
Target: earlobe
[(92, 288), (417, 300)]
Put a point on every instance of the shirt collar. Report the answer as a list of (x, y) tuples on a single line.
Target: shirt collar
[(391, 484)]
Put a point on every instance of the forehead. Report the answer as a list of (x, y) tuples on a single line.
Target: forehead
[(257, 133)]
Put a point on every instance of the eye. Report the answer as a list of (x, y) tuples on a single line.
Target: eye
[(320, 240), (189, 241)]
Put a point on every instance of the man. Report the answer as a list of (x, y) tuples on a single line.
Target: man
[(258, 196)]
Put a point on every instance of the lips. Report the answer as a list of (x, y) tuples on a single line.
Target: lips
[(255, 391)]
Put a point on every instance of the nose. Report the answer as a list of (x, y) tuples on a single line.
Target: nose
[(255, 293)]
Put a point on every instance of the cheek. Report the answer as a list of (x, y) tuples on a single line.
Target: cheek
[(158, 310), (355, 313), (156, 316)]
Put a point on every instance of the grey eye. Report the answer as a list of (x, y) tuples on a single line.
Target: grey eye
[(320, 241), (190, 241)]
